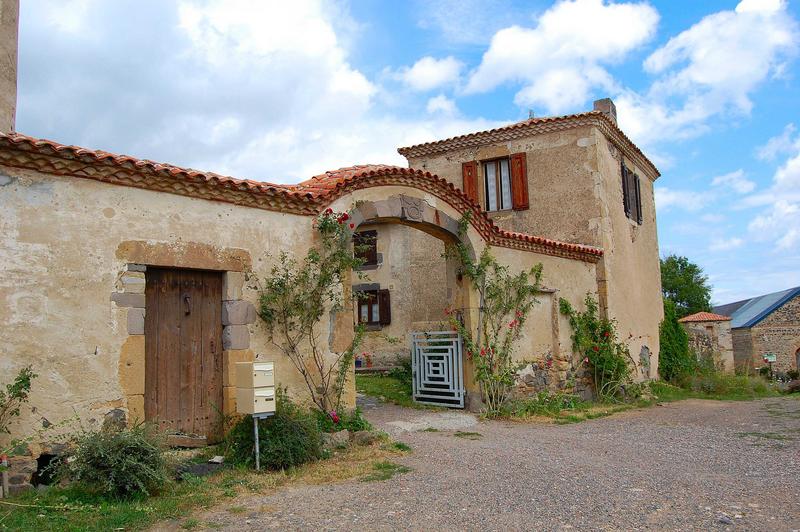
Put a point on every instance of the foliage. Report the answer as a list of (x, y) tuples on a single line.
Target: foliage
[(793, 374), (120, 463), (595, 339), (403, 373), (295, 298), (14, 396), (544, 403), (288, 438), (505, 300), (708, 380), (675, 359), (387, 388), (353, 421), (685, 284), (385, 471)]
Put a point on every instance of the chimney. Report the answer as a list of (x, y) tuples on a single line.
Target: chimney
[(606, 105), (9, 28)]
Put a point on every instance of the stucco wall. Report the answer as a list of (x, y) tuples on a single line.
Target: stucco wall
[(9, 18), (630, 272), (412, 268), (63, 254), (575, 191)]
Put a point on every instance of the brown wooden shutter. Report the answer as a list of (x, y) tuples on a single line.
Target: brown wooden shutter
[(519, 182), (626, 200), (384, 307), (638, 189), (469, 171)]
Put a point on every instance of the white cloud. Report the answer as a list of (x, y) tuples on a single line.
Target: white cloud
[(466, 21), (734, 180), (430, 73), (780, 144), (559, 62), (258, 90), (690, 200), (710, 69), (713, 218), (725, 244), (441, 104)]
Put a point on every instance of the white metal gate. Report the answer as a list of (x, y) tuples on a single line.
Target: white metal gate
[(437, 368)]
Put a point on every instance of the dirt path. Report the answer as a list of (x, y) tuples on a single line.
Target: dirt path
[(688, 465)]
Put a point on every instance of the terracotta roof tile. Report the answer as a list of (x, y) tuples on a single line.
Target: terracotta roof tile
[(536, 126), (307, 198), (704, 316)]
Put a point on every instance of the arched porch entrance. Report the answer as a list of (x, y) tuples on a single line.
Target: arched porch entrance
[(405, 287)]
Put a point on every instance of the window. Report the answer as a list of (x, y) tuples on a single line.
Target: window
[(365, 244), (374, 307), (504, 184), (497, 185), (631, 194)]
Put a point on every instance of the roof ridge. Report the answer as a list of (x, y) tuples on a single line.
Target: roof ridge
[(609, 127)]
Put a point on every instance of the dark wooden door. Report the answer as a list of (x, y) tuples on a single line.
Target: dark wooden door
[(183, 351)]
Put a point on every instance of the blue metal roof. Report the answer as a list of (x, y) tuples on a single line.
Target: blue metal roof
[(758, 308)]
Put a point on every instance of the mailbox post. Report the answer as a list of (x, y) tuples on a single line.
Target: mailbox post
[(255, 395)]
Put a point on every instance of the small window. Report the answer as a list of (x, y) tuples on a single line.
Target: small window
[(374, 307), (365, 244), (497, 185), (631, 194)]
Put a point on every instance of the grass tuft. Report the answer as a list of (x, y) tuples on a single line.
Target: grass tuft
[(385, 471), (468, 435)]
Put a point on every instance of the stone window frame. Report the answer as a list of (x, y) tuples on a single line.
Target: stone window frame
[(237, 315)]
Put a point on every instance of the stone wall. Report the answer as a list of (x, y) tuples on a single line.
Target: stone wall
[(778, 333), (712, 339)]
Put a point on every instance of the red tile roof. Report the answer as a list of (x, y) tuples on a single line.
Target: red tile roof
[(704, 316), (533, 126), (307, 198)]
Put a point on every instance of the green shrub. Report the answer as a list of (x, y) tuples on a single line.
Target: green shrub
[(289, 438), (403, 373), (793, 374), (544, 403), (595, 339), (353, 421), (119, 463), (675, 360), (707, 379), (12, 398)]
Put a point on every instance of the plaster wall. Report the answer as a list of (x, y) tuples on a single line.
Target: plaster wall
[(65, 246), (9, 24)]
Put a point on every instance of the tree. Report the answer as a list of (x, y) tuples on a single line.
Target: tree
[(685, 284), (674, 358)]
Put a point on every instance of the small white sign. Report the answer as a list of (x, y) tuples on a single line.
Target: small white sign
[(770, 357)]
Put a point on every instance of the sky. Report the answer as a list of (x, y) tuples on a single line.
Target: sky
[(281, 91)]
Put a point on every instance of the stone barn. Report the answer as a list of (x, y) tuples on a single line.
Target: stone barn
[(768, 324), (130, 286)]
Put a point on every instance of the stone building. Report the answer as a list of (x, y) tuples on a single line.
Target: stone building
[(710, 338), (130, 286), (768, 324)]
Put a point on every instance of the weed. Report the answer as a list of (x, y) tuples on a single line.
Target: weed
[(237, 509), (190, 524), (468, 435), (385, 471), (400, 446), (430, 429)]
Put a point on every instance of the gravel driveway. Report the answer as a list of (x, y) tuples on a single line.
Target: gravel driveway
[(687, 465)]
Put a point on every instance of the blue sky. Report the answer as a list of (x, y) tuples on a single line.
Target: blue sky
[(280, 91)]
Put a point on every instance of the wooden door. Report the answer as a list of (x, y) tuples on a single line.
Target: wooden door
[(183, 351)]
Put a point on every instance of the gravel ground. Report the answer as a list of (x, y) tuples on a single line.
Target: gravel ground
[(689, 465)]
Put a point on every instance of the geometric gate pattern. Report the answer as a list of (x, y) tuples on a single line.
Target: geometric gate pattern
[(437, 368)]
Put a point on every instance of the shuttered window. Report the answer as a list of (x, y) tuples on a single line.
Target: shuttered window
[(374, 307), (365, 247), (631, 194), (505, 183)]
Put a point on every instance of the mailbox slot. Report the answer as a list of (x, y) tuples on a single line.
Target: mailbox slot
[(255, 400), (255, 374)]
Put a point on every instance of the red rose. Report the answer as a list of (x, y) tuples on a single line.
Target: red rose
[(595, 348), (345, 216), (334, 416), (328, 211), (352, 226)]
